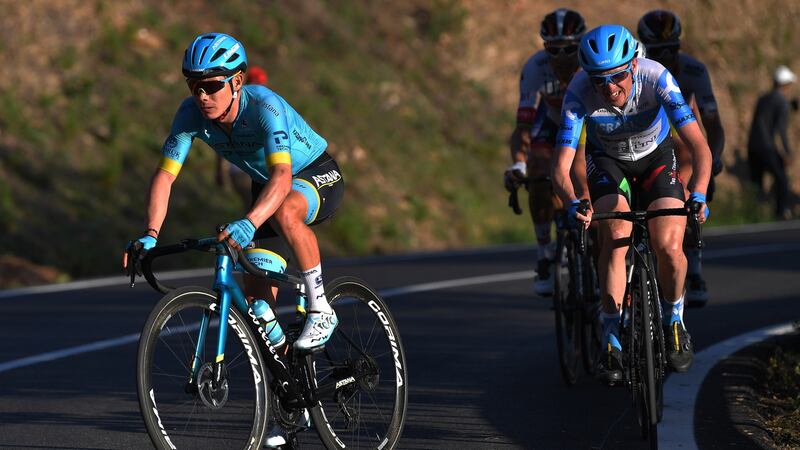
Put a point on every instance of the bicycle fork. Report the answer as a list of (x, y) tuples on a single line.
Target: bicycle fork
[(294, 394)]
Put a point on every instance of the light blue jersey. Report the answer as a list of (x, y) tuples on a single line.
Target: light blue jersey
[(634, 131), (267, 131)]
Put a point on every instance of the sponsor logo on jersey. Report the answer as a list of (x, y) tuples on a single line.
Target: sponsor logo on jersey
[(302, 139), (171, 143)]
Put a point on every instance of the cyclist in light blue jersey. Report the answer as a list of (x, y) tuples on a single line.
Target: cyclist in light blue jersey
[(627, 105), (295, 183)]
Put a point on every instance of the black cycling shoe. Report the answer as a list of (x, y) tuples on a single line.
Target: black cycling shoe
[(609, 371), (680, 352), (696, 292)]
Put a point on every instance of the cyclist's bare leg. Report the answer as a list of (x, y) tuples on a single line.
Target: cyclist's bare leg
[(321, 319), (540, 198), (291, 219), (254, 288), (684, 158), (666, 238), (614, 237)]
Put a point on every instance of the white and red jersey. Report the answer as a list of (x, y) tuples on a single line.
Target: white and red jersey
[(539, 86)]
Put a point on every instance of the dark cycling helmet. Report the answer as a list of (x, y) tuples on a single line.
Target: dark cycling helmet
[(562, 25), (212, 55), (659, 27), (606, 47)]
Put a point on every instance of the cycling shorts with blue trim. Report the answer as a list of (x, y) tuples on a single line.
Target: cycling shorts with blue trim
[(322, 185)]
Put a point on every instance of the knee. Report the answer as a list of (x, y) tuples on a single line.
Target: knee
[(289, 217), (670, 252)]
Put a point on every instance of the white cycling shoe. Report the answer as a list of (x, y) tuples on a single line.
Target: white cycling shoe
[(276, 438), (318, 329)]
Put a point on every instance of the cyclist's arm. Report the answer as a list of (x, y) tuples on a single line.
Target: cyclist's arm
[(520, 142), (273, 195), (716, 135), (578, 173), (158, 198), (701, 156), (682, 117), (277, 151)]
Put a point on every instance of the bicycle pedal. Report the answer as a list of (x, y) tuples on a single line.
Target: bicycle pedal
[(310, 351)]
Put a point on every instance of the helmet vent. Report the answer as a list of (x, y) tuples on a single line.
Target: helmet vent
[(218, 54), (593, 44), (625, 48), (233, 58), (611, 40)]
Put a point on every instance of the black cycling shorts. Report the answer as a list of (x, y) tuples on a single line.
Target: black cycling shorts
[(652, 177), (322, 184)]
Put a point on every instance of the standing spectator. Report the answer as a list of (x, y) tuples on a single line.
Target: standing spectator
[(240, 181), (771, 117)]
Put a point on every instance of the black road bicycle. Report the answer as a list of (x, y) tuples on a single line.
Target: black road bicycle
[(576, 301), (642, 335), (208, 377)]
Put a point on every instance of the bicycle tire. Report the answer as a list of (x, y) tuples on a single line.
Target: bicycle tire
[(567, 316), (177, 416), (649, 377), (361, 374), (591, 331), (659, 343)]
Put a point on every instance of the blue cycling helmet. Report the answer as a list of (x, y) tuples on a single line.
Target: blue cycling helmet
[(212, 55), (606, 47)]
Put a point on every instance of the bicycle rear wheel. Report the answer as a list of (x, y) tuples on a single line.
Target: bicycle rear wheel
[(567, 312), (201, 414), (361, 375)]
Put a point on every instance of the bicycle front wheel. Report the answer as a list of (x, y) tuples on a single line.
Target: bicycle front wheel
[(185, 408), (362, 379), (567, 313)]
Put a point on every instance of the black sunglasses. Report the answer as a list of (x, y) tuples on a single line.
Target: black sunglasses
[(567, 50), (208, 87)]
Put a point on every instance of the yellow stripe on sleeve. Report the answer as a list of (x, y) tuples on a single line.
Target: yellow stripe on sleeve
[(582, 139), (170, 165), (279, 158)]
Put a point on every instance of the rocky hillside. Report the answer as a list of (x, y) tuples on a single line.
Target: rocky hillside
[(416, 98)]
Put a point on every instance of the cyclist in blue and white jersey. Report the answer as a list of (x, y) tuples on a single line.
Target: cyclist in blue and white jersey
[(295, 182), (627, 105), (542, 85), (660, 32)]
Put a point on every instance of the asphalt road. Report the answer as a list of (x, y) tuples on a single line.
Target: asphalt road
[(481, 356)]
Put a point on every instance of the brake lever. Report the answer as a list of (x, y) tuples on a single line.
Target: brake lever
[(513, 202), (134, 261), (582, 209)]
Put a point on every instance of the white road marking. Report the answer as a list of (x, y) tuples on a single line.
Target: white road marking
[(676, 430), (387, 293)]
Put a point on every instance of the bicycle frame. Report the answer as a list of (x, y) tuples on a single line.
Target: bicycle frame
[(230, 294)]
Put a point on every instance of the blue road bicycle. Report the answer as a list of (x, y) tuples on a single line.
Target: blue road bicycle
[(208, 377)]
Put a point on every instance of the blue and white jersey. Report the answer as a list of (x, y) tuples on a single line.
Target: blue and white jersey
[(267, 131), (634, 131)]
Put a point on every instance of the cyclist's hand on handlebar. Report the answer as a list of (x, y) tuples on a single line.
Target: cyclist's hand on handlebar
[(238, 233), (574, 215), (137, 249), (517, 171), (702, 211)]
